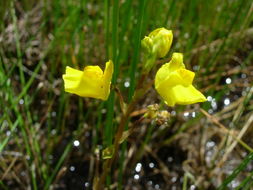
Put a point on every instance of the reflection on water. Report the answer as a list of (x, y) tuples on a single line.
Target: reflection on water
[(151, 165), (87, 184), (186, 114), (72, 168), (76, 143), (127, 84), (136, 177), (21, 101), (228, 80), (226, 101), (138, 167)]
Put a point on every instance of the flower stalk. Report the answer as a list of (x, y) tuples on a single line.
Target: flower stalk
[(140, 91)]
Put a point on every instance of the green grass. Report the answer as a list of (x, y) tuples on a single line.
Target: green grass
[(39, 121)]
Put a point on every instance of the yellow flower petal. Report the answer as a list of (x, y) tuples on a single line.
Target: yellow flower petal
[(164, 72), (176, 62), (71, 78), (179, 77), (108, 77), (187, 95), (91, 82), (174, 83), (95, 71)]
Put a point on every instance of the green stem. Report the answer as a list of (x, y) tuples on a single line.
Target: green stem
[(133, 66), (124, 119)]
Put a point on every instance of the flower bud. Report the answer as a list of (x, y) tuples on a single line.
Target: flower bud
[(162, 40), (147, 45), (155, 45), (152, 111)]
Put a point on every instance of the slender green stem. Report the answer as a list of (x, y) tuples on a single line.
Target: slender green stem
[(110, 106), (185, 182), (133, 66), (124, 119)]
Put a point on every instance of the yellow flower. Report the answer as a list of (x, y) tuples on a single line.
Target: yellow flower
[(91, 82), (158, 42), (174, 83)]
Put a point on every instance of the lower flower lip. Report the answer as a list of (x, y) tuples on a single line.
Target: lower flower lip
[(174, 83)]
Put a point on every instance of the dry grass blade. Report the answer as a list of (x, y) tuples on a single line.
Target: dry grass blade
[(225, 130)]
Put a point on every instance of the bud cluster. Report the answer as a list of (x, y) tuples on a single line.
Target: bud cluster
[(156, 45)]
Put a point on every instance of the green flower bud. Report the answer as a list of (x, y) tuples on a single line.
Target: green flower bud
[(147, 45)]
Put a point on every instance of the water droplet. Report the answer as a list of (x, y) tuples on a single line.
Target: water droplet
[(53, 132), (23, 173), (186, 35), (234, 184), (150, 183), (157, 186), (8, 133), (243, 75), (169, 159), (174, 179), (210, 144), (21, 101), (136, 176), (151, 165), (226, 101), (192, 187), (228, 80), (127, 84), (173, 113), (214, 104), (53, 114), (186, 114), (138, 167), (72, 168), (76, 143), (86, 184), (209, 98), (195, 67)]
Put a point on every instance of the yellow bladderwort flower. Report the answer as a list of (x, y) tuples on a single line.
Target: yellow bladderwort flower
[(174, 83), (91, 82), (158, 42)]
